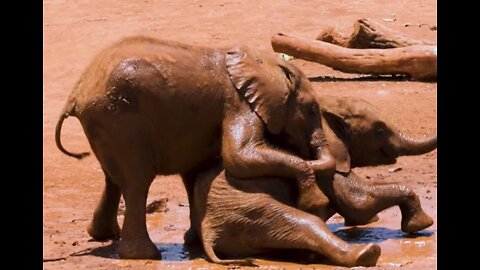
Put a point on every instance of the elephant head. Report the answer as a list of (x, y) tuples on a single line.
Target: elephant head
[(357, 136), (282, 96)]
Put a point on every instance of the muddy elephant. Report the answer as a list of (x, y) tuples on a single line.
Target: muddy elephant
[(237, 218), (150, 107), (358, 135), (245, 218)]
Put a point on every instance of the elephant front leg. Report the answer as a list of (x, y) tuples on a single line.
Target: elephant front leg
[(359, 201), (104, 224), (247, 155)]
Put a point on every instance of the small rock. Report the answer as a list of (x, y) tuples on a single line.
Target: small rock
[(395, 169), (75, 243), (169, 227), (157, 206), (183, 205), (285, 57)]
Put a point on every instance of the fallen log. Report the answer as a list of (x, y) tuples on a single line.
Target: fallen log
[(417, 61), (368, 34)]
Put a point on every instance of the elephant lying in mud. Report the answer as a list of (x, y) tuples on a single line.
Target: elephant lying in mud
[(244, 218), (151, 107)]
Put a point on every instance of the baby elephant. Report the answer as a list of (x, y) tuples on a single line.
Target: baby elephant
[(238, 218), (242, 218)]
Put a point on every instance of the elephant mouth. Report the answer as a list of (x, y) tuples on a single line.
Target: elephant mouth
[(389, 154)]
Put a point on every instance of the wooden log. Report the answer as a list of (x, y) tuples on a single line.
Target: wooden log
[(418, 61), (368, 34)]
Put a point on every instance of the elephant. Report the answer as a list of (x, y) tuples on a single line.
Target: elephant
[(152, 107), (358, 135), (247, 218), (238, 218)]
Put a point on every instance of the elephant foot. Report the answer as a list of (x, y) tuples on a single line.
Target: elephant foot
[(138, 250), (366, 255), (102, 232), (416, 221), (352, 222), (191, 237), (360, 255), (315, 202)]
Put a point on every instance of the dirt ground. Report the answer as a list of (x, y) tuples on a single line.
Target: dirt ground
[(75, 30)]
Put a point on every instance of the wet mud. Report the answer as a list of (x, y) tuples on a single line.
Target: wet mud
[(75, 30)]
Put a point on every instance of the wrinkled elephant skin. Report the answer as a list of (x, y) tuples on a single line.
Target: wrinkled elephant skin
[(238, 218)]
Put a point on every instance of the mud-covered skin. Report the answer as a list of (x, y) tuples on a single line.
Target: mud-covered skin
[(238, 218), (259, 222), (151, 107), (358, 135)]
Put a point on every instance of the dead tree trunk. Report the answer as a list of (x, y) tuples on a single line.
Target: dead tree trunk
[(418, 61), (368, 34)]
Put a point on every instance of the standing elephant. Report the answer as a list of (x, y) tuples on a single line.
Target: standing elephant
[(151, 107), (244, 218)]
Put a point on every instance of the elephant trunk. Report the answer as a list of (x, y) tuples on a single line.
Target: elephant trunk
[(408, 146)]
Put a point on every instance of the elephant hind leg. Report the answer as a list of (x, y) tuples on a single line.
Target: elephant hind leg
[(284, 227), (305, 231), (135, 242), (104, 224)]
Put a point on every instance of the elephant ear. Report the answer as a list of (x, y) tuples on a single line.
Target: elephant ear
[(336, 134), (264, 84)]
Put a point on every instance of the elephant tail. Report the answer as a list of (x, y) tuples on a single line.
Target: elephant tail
[(207, 247), (68, 111)]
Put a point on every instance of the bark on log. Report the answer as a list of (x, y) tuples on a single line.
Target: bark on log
[(418, 61), (368, 34)]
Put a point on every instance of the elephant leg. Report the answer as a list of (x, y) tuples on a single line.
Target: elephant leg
[(135, 242), (104, 224), (359, 201), (191, 236), (285, 227), (132, 174)]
